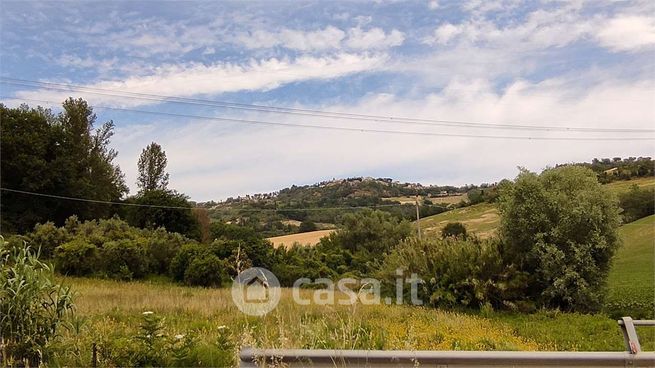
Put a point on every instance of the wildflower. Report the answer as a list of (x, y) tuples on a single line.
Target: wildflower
[(179, 337), (222, 327), (147, 313)]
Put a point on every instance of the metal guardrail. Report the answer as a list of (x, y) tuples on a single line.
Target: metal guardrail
[(633, 357)]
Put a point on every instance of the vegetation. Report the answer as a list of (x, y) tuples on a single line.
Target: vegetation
[(637, 203), (60, 154), (454, 230), (631, 284), (564, 255), (152, 169), (32, 306)]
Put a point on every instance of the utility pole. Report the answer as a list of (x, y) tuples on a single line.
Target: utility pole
[(418, 219)]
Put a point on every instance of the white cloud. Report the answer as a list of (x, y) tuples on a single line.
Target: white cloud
[(433, 4), (374, 38), (627, 33), (196, 79), (445, 33), (210, 160), (328, 38)]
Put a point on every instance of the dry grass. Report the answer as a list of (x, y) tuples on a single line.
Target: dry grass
[(437, 200), (480, 219), (309, 238)]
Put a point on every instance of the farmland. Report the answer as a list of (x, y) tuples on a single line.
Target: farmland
[(625, 185), (309, 238)]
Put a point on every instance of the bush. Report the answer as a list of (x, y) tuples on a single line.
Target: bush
[(454, 230), (124, 259), (307, 226), (46, 237), (637, 203), (183, 259), (206, 270), (77, 257), (162, 247), (32, 306), (455, 272), (561, 228)]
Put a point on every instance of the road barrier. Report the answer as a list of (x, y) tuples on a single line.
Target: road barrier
[(633, 357)]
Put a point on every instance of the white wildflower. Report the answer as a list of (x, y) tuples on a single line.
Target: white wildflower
[(147, 313), (179, 337)]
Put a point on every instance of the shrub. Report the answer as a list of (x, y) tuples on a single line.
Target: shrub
[(32, 306), (183, 258), (205, 270), (637, 203), (124, 259), (46, 237), (454, 230), (162, 247), (561, 228), (455, 272), (77, 257), (306, 226)]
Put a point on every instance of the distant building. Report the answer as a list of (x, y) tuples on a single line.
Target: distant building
[(612, 171)]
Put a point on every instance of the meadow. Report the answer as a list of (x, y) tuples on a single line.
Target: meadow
[(310, 238), (480, 219), (109, 313)]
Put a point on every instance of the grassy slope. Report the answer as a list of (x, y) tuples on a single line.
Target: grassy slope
[(632, 278), (481, 219), (625, 185)]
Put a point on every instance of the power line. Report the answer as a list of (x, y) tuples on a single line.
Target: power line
[(192, 208), (308, 112), (360, 130)]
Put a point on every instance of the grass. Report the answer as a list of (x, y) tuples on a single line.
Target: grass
[(625, 185), (632, 277), (112, 311), (481, 219), (453, 199)]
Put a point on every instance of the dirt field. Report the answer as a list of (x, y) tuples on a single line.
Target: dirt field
[(308, 238)]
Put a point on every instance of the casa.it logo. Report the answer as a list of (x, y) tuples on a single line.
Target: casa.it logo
[(256, 291)]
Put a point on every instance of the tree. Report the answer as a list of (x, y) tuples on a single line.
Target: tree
[(163, 208), (560, 227), (152, 168), (60, 155)]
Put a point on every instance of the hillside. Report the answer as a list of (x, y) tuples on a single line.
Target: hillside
[(310, 238), (632, 278), (482, 219)]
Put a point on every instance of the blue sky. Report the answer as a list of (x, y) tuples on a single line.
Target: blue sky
[(576, 64)]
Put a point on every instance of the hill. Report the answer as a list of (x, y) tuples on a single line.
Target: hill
[(631, 280), (481, 219), (310, 238)]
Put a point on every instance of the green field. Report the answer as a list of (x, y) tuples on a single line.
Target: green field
[(625, 185), (632, 278)]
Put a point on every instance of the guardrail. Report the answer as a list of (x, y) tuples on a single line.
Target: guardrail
[(633, 357)]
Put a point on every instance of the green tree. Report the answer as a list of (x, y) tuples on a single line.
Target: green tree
[(163, 208), (56, 154), (637, 203), (152, 168), (560, 227)]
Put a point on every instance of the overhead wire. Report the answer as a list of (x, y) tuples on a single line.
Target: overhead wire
[(308, 112), (360, 130)]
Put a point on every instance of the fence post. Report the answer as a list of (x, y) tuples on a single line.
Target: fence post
[(94, 358)]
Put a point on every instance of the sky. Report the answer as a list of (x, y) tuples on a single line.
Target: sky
[(498, 64)]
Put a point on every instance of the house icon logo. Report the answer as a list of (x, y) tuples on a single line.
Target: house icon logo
[(256, 291)]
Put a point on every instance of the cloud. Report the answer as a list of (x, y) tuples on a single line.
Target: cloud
[(197, 79), (433, 4), (374, 38), (211, 160), (627, 33), (328, 38), (444, 33)]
